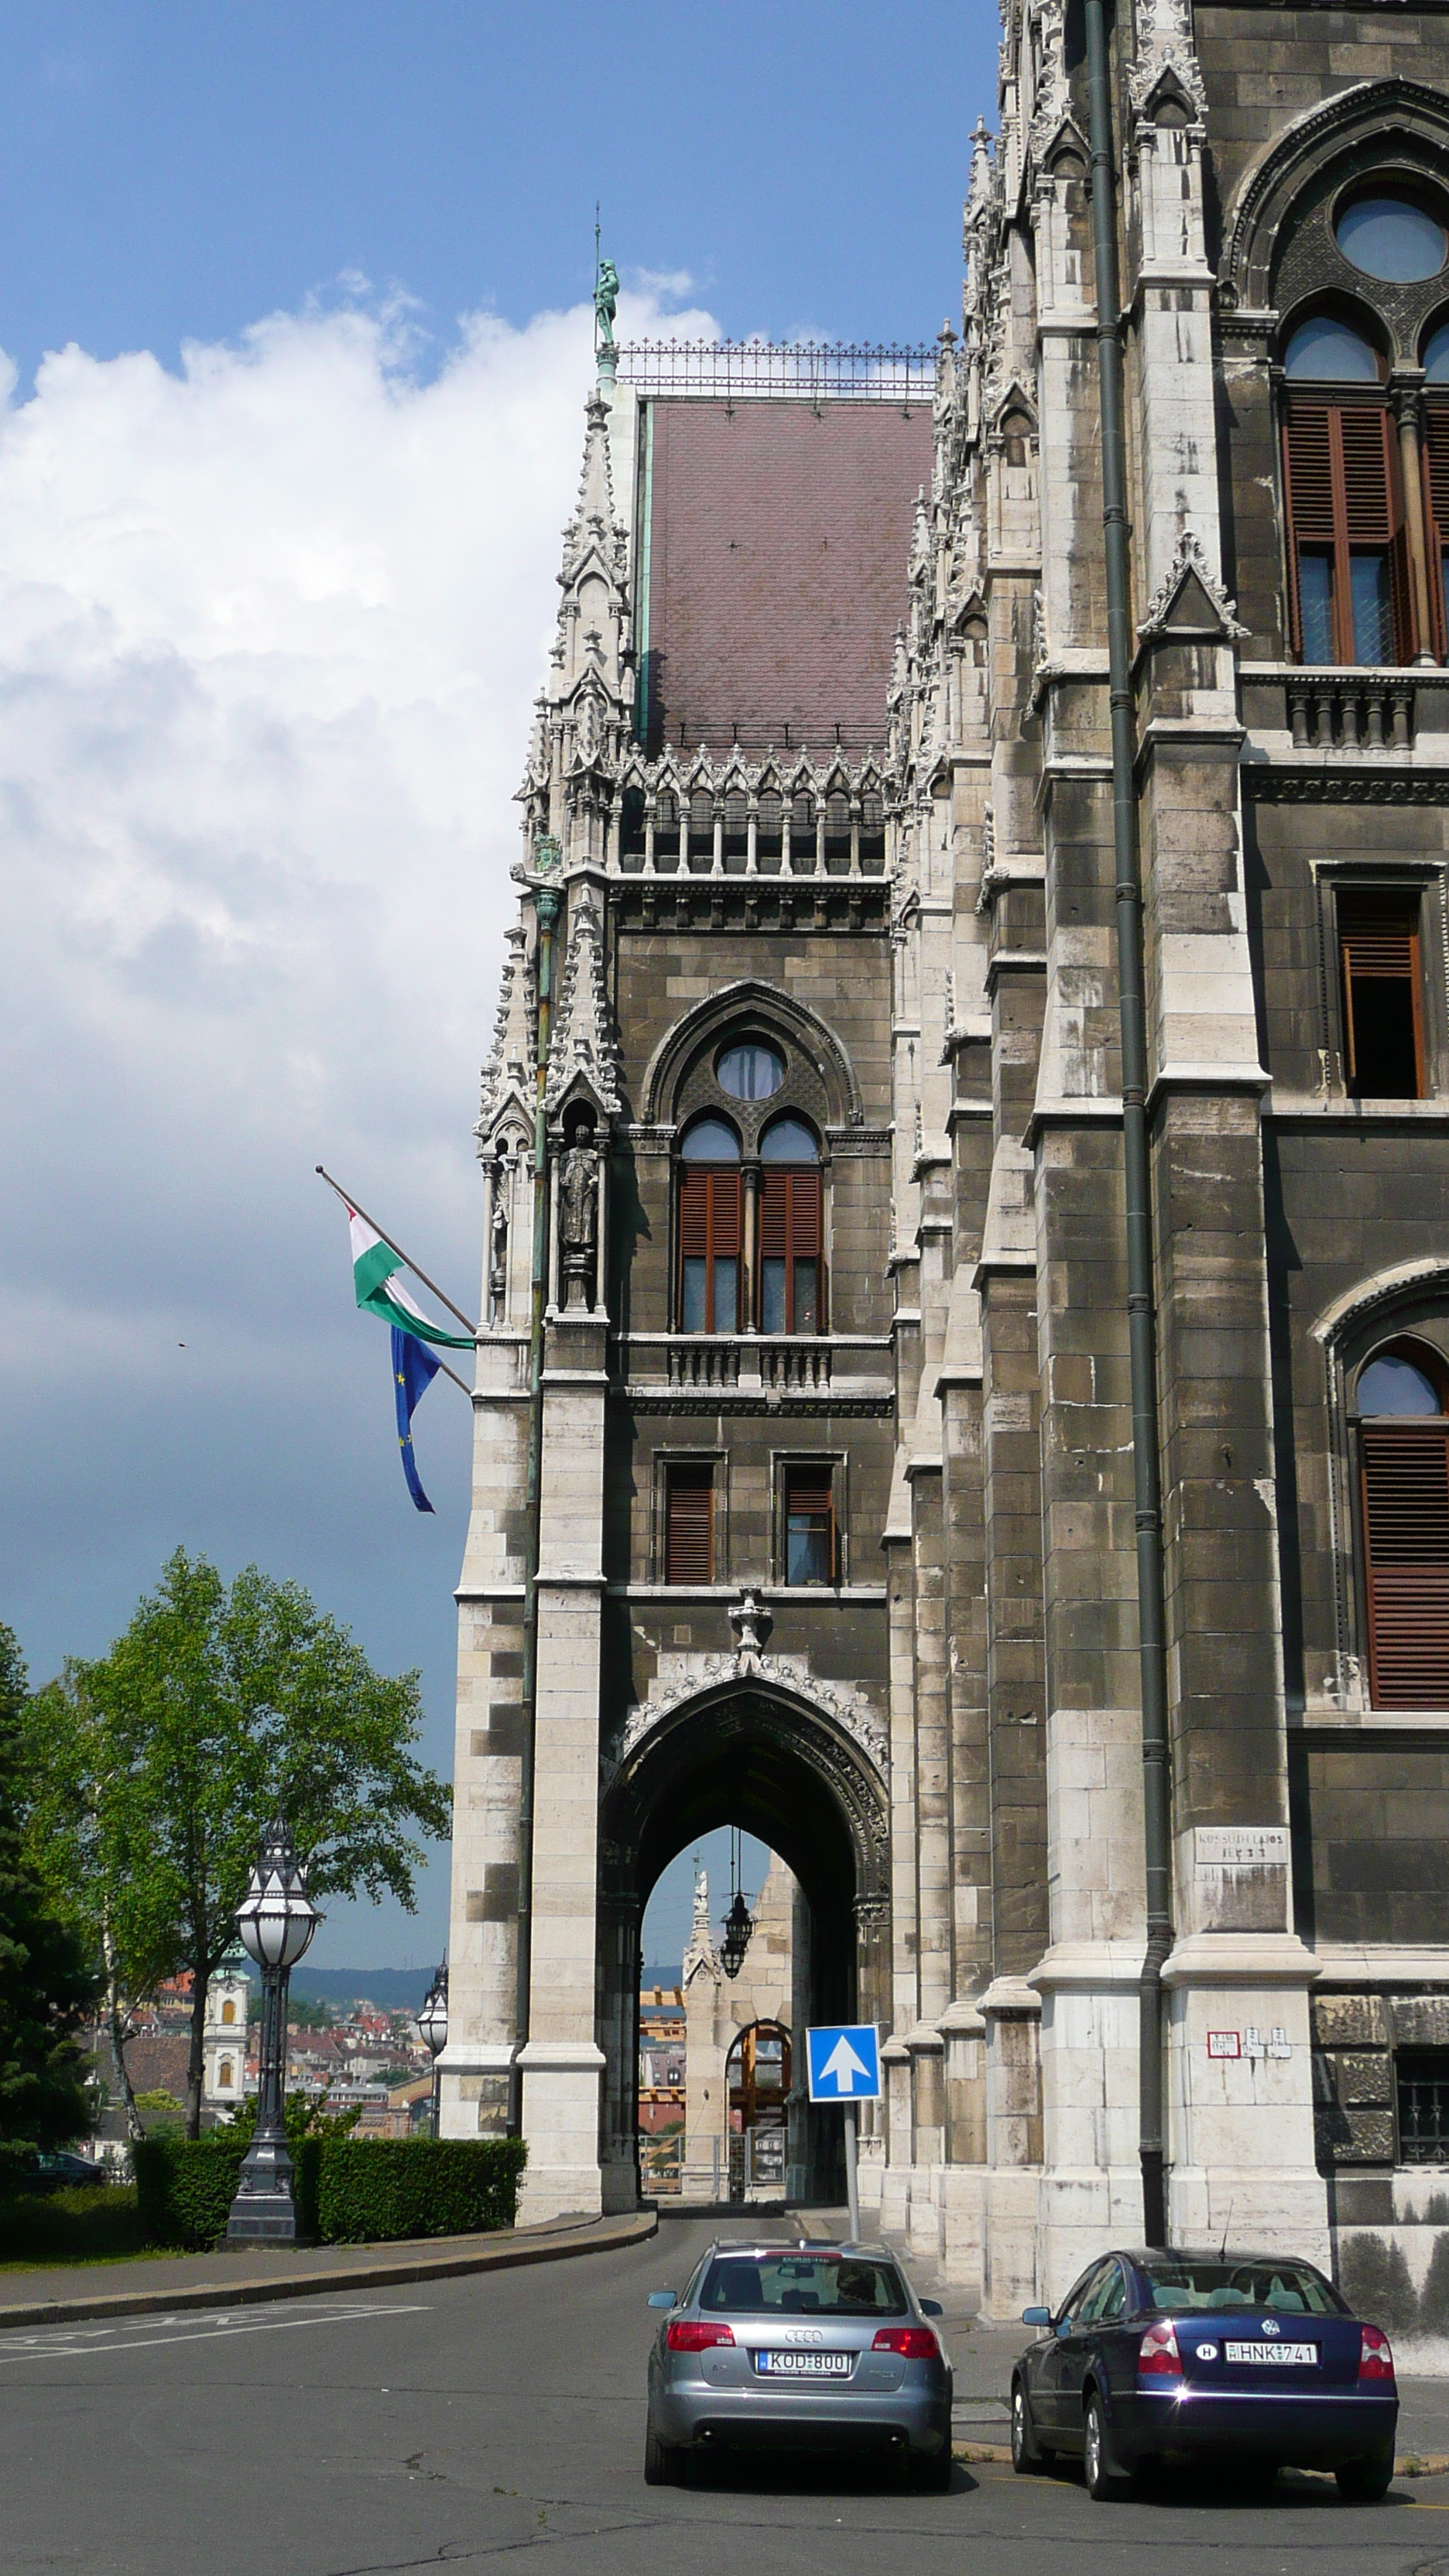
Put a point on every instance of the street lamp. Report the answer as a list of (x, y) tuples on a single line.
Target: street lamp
[(433, 2023), (739, 1923), (276, 1919)]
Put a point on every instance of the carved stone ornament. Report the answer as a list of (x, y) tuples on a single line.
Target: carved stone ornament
[(1188, 598), (694, 1676), (1165, 52)]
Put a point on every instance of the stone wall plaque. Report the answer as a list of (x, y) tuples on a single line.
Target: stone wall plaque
[(1241, 1847), (1240, 1875)]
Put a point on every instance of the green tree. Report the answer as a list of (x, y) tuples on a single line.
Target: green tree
[(46, 1988), (213, 1709)]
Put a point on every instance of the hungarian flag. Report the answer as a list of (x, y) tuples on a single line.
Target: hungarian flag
[(380, 1292)]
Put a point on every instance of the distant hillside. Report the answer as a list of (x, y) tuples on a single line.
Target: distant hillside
[(391, 1989), (661, 1972)]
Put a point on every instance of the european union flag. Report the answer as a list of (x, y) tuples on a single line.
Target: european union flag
[(414, 1368)]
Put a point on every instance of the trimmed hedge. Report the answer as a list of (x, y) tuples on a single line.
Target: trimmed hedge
[(350, 2191), (81, 2225)]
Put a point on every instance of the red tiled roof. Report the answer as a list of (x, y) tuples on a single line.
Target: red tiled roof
[(777, 568)]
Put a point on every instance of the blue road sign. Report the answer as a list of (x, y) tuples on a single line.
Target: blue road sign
[(844, 2062)]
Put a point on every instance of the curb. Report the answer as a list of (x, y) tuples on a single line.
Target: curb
[(1410, 2464), (598, 2236)]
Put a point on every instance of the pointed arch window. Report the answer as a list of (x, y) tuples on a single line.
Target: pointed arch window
[(791, 1230), (1350, 573), (709, 1229), (1404, 1493)]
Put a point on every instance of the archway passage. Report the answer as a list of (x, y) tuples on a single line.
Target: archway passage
[(746, 1753), (757, 2090)]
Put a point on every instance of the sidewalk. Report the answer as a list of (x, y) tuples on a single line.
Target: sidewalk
[(175, 2282)]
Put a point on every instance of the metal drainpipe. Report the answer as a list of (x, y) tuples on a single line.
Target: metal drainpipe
[(545, 910), (1141, 1321)]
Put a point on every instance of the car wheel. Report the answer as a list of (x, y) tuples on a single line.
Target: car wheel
[(663, 2461), (1026, 2450), (931, 2470), (1366, 2481), (1106, 2480)]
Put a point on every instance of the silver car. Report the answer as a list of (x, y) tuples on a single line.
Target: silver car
[(802, 2347)]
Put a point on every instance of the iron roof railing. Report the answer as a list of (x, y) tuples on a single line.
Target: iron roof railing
[(808, 370)]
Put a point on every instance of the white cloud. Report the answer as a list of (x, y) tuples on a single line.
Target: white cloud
[(269, 633)]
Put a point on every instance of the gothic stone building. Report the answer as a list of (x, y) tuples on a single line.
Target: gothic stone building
[(813, 1505)]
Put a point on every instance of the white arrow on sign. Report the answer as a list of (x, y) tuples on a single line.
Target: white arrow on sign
[(843, 2064)]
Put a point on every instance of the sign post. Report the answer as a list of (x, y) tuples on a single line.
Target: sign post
[(843, 2062)]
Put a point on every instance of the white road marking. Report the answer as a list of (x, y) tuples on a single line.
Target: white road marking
[(61, 2344)]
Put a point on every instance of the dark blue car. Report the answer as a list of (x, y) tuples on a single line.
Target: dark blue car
[(1249, 2359)]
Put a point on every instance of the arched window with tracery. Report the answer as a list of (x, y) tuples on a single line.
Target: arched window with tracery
[(1365, 453), (1403, 1433), (750, 1171), (709, 1229)]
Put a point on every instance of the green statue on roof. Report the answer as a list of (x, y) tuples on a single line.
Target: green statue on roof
[(606, 301)]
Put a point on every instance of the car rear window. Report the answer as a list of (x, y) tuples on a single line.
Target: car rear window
[(838, 2285), (1284, 2289)]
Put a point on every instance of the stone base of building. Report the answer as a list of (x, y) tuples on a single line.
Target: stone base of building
[(563, 2177)]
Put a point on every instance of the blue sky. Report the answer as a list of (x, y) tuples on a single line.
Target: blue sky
[(279, 521), (176, 169)]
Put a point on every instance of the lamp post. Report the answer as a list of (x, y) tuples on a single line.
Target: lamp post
[(433, 2023), (276, 1920)]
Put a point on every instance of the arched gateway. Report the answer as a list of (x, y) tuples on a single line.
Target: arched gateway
[(748, 1749)]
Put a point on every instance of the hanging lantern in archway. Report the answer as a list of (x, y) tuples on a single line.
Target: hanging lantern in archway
[(739, 1923)]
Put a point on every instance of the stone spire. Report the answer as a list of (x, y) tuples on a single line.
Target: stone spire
[(700, 1951), (584, 1056), (505, 1075)]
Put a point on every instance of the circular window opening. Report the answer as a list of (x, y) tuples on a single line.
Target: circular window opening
[(1325, 348), (1392, 238), (751, 1072), (1436, 356), (1393, 1383)]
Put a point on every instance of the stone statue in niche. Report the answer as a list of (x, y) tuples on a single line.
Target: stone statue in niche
[(578, 1217), (498, 1242)]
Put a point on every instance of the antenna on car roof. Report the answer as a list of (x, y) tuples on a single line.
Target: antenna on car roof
[(1227, 2231)]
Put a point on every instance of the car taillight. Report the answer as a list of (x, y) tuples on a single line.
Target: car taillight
[(1375, 2359), (687, 2334), (1157, 2354), (913, 2343)]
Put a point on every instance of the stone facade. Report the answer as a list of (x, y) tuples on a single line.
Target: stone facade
[(914, 906)]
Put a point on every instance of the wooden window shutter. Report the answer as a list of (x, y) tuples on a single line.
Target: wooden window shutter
[(689, 1523), (694, 1184), (791, 1227), (1378, 940), (1367, 468), (1436, 482), (1379, 934), (810, 1489), (1308, 473), (1406, 1545), (724, 1198)]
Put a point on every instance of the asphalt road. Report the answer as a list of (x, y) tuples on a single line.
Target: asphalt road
[(482, 2419)]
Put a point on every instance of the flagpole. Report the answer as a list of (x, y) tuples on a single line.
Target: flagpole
[(443, 1365), (355, 1207)]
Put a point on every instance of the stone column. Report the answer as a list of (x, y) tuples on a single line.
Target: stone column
[(562, 2061)]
